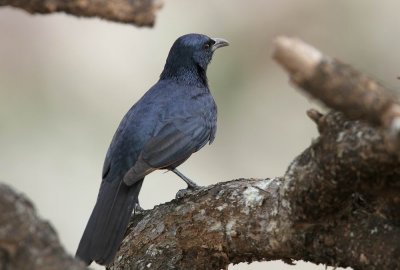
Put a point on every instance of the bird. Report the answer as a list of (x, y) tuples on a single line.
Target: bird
[(175, 118)]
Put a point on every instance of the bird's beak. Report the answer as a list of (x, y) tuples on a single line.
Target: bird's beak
[(219, 42)]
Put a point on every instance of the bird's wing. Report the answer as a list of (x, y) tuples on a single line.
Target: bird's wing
[(115, 144), (176, 141)]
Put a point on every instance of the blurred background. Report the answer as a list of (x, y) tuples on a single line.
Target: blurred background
[(66, 82)]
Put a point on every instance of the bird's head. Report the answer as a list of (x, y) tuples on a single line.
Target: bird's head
[(190, 55)]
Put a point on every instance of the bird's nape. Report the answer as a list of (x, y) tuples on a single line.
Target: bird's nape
[(189, 58)]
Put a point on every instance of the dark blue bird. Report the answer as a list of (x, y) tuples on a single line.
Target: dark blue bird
[(174, 119)]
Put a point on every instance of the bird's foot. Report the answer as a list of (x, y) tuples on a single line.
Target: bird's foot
[(191, 185), (183, 192)]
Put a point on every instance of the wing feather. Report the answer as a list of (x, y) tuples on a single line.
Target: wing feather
[(176, 141)]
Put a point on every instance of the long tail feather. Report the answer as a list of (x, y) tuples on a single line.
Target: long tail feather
[(108, 222)]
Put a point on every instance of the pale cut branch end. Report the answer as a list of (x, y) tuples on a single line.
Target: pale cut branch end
[(297, 57)]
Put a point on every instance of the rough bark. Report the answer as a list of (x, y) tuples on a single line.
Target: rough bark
[(26, 241), (137, 12), (323, 210)]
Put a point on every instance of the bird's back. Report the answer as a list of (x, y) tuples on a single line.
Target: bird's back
[(164, 102)]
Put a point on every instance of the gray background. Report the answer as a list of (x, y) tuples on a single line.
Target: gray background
[(65, 84)]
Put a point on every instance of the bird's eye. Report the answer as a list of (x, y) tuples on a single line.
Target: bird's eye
[(206, 46)]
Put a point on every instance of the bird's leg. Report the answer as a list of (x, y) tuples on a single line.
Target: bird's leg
[(190, 183)]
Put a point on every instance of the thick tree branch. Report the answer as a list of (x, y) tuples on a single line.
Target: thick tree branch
[(138, 12), (317, 212), (26, 241), (349, 157)]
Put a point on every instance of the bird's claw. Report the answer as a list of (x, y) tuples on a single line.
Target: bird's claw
[(183, 192)]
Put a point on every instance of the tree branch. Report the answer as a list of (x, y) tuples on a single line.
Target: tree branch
[(26, 241), (138, 12), (340, 86), (309, 214)]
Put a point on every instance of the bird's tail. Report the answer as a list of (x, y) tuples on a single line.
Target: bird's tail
[(108, 222)]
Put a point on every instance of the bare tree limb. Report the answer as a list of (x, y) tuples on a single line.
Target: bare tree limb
[(340, 86), (349, 157), (26, 241), (319, 211), (138, 12)]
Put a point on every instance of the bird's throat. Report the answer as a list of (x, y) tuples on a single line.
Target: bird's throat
[(188, 75)]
